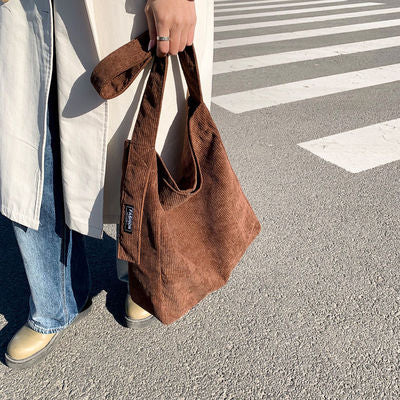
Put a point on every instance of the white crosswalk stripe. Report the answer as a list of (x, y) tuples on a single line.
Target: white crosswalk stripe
[(360, 149), (356, 150), (292, 12), (255, 7), (248, 40), (285, 22), (249, 100), (240, 64), (221, 3)]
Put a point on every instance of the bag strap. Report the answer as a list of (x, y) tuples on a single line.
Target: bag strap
[(146, 126), (115, 73), (188, 61), (145, 130)]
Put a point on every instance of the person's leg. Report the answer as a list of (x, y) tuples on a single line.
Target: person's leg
[(54, 259), (54, 256)]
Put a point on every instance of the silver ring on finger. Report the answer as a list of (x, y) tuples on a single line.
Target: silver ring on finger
[(162, 38)]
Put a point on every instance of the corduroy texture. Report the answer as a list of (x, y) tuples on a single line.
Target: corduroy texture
[(118, 70), (181, 237)]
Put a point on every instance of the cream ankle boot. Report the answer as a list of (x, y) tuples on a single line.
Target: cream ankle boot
[(136, 316), (27, 347)]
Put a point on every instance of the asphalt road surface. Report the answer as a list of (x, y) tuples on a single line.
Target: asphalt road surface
[(306, 96)]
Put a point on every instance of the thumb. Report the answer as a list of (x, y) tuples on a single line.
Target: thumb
[(152, 27)]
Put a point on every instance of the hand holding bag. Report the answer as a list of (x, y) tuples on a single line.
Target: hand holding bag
[(182, 237)]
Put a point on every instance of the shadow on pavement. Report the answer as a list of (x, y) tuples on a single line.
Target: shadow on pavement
[(14, 289)]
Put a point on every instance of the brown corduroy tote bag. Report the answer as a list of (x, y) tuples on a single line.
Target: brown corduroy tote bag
[(181, 237)]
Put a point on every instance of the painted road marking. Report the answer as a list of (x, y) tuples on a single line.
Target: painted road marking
[(290, 12), (360, 149), (255, 99), (219, 3), (275, 37), (266, 24), (256, 7), (241, 64)]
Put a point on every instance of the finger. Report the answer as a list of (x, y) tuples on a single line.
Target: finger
[(151, 25), (175, 40), (184, 39), (192, 28), (190, 35), (162, 45)]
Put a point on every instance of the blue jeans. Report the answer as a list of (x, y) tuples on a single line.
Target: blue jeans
[(54, 256)]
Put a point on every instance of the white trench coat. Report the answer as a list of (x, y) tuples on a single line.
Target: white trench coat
[(92, 130)]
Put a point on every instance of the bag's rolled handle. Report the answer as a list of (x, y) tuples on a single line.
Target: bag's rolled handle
[(115, 73)]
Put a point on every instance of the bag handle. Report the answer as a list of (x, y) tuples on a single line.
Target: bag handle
[(188, 61), (116, 72), (147, 121)]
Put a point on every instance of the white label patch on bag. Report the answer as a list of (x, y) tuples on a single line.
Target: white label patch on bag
[(128, 219)]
